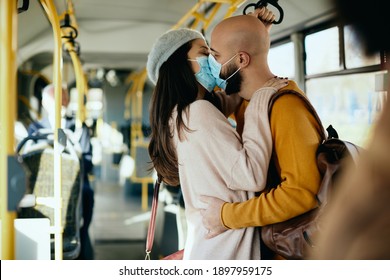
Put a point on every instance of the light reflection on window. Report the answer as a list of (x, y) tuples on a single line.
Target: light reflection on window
[(322, 51), (281, 60), (349, 103)]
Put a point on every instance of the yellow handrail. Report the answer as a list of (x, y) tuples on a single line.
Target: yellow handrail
[(201, 17), (132, 79), (71, 12), (78, 69), (80, 85), (8, 45), (51, 11)]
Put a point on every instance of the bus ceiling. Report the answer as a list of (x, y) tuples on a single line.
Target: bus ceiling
[(119, 34)]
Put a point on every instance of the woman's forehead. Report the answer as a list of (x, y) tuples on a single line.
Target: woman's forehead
[(199, 44)]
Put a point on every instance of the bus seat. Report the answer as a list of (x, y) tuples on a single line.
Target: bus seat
[(38, 159)]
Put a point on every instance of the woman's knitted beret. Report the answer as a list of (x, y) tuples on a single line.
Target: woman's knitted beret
[(165, 46)]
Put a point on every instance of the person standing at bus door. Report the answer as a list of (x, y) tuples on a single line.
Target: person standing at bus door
[(193, 143), (295, 133), (48, 103), (357, 224)]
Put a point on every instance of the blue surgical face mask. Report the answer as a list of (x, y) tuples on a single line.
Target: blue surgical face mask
[(216, 68), (204, 76)]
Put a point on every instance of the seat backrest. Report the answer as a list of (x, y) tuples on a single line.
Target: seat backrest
[(40, 163)]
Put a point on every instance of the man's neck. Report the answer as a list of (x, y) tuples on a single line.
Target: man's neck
[(253, 81)]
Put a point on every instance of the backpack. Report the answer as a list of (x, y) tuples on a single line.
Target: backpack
[(294, 238)]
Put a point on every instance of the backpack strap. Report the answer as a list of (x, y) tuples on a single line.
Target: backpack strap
[(302, 97), (273, 176)]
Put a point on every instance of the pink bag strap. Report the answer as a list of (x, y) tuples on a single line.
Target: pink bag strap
[(152, 222)]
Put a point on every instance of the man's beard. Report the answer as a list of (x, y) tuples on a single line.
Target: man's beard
[(233, 85)]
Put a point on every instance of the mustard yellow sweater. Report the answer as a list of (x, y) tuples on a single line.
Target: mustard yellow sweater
[(295, 136)]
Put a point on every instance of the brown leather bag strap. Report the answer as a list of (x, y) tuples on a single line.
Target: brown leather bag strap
[(152, 221), (273, 176), (309, 106)]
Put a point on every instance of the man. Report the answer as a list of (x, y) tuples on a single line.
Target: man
[(240, 45)]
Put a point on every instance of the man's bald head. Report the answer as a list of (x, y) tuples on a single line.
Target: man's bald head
[(241, 44), (241, 33)]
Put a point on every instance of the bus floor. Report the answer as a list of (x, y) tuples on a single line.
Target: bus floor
[(119, 225)]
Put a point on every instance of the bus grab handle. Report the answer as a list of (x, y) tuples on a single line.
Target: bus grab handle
[(264, 3)]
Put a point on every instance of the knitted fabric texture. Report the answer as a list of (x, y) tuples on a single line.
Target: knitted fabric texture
[(165, 46)]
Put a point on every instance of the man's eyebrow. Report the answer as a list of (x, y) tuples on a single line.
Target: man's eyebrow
[(214, 51)]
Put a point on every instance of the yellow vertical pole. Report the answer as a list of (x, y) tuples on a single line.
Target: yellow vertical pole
[(51, 11), (140, 89), (80, 85), (130, 80), (80, 78), (139, 102), (8, 46)]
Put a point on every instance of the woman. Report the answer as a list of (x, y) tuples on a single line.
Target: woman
[(193, 143)]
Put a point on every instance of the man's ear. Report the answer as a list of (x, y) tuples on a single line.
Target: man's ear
[(244, 59)]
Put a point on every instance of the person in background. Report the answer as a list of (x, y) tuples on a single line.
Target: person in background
[(48, 103), (357, 224)]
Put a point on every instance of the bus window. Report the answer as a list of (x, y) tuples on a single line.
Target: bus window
[(348, 102), (340, 82), (322, 51), (281, 60)]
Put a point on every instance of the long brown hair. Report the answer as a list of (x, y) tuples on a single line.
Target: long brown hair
[(176, 86)]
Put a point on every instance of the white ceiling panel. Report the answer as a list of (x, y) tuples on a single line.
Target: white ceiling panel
[(120, 33)]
